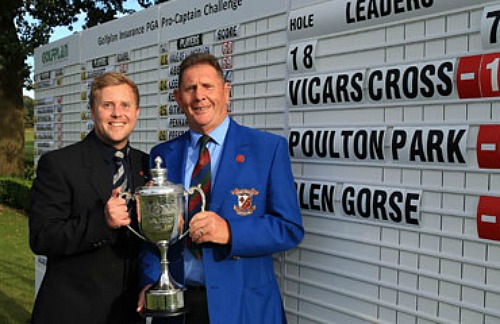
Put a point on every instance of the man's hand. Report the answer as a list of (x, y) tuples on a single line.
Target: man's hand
[(141, 303), (115, 211), (209, 227)]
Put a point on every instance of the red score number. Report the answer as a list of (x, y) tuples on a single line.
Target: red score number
[(227, 48), (227, 62), (489, 75), (478, 76)]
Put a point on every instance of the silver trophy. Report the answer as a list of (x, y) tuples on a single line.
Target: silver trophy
[(161, 207)]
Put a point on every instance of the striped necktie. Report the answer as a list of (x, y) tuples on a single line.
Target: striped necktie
[(120, 176), (202, 174)]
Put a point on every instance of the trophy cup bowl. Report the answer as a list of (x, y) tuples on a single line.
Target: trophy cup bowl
[(161, 207)]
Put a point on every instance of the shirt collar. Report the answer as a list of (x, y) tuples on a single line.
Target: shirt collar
[(108, 151), (217, 135)]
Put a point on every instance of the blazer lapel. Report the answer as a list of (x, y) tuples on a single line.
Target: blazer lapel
[(236, 149), (176, 167)]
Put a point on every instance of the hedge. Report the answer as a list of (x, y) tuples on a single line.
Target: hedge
[(14, 192)]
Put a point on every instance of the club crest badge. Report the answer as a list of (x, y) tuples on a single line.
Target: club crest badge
[(245, 205)]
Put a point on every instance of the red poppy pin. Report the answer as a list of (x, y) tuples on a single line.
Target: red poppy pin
[(240, 158)]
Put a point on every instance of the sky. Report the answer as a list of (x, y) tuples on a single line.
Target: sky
[(61, 32)]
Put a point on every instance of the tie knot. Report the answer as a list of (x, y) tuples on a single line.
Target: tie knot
[(204, 140), (119, 156)]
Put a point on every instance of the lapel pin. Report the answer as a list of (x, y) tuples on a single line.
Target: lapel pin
[(240, 158)]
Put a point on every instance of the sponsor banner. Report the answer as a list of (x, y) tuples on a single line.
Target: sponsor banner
[(137, 30), (183, 18), (57, 54)]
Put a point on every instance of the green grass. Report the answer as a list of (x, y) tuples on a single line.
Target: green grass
[(29, 148), (17, 262), (17, 270)]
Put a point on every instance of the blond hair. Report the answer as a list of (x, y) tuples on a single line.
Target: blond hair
[(111, 79)]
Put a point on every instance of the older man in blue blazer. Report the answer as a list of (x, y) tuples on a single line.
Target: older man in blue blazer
[(252, 211)]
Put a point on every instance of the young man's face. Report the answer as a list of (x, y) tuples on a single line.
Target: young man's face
[(203, 97), (115, 114)]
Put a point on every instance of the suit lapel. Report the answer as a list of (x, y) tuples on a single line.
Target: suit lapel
[(236, 146), (96, 168), (139, 168), (176, 167)]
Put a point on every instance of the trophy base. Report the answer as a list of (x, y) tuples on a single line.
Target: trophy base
[(164, 303), (158, 313)]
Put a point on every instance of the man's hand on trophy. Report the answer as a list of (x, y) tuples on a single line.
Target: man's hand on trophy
[(141, 302), (115, 210), (180, 227), (209, 227)]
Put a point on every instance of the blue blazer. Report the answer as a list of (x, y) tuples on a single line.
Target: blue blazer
[(240, 280)]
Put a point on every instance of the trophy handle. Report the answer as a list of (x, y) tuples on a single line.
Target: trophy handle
[(128, 196), (191, 191), (136, 233)]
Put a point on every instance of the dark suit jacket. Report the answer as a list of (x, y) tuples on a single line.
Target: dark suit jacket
[(91, 274)]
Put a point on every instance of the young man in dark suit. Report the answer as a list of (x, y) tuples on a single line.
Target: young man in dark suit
[(79, 220)]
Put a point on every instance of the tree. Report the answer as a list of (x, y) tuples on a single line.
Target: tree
[(29, 111), (25, 25)]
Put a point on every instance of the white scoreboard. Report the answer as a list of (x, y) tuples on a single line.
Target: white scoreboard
[(392, 113)]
